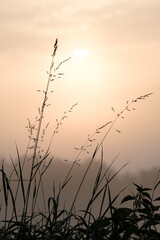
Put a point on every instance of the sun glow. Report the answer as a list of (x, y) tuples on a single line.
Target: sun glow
[(81, 53)]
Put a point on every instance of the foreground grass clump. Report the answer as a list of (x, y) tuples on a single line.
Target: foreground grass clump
[(23, 216)]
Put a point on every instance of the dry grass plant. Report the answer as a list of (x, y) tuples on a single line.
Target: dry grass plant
[(31, 222)]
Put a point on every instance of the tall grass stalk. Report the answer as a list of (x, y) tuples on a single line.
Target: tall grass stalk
[(39, 127)]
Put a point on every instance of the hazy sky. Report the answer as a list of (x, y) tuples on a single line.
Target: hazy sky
[(123, 42)]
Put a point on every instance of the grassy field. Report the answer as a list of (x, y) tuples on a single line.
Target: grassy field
[(26, 212)]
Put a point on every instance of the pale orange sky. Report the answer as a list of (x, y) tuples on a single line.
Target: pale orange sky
[(123, 42)]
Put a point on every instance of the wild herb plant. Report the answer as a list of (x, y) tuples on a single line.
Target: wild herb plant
[(29, 221)]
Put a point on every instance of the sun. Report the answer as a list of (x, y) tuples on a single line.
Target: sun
[(81, 53)]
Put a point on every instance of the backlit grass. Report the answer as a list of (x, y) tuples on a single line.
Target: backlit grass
[(47, 219)]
